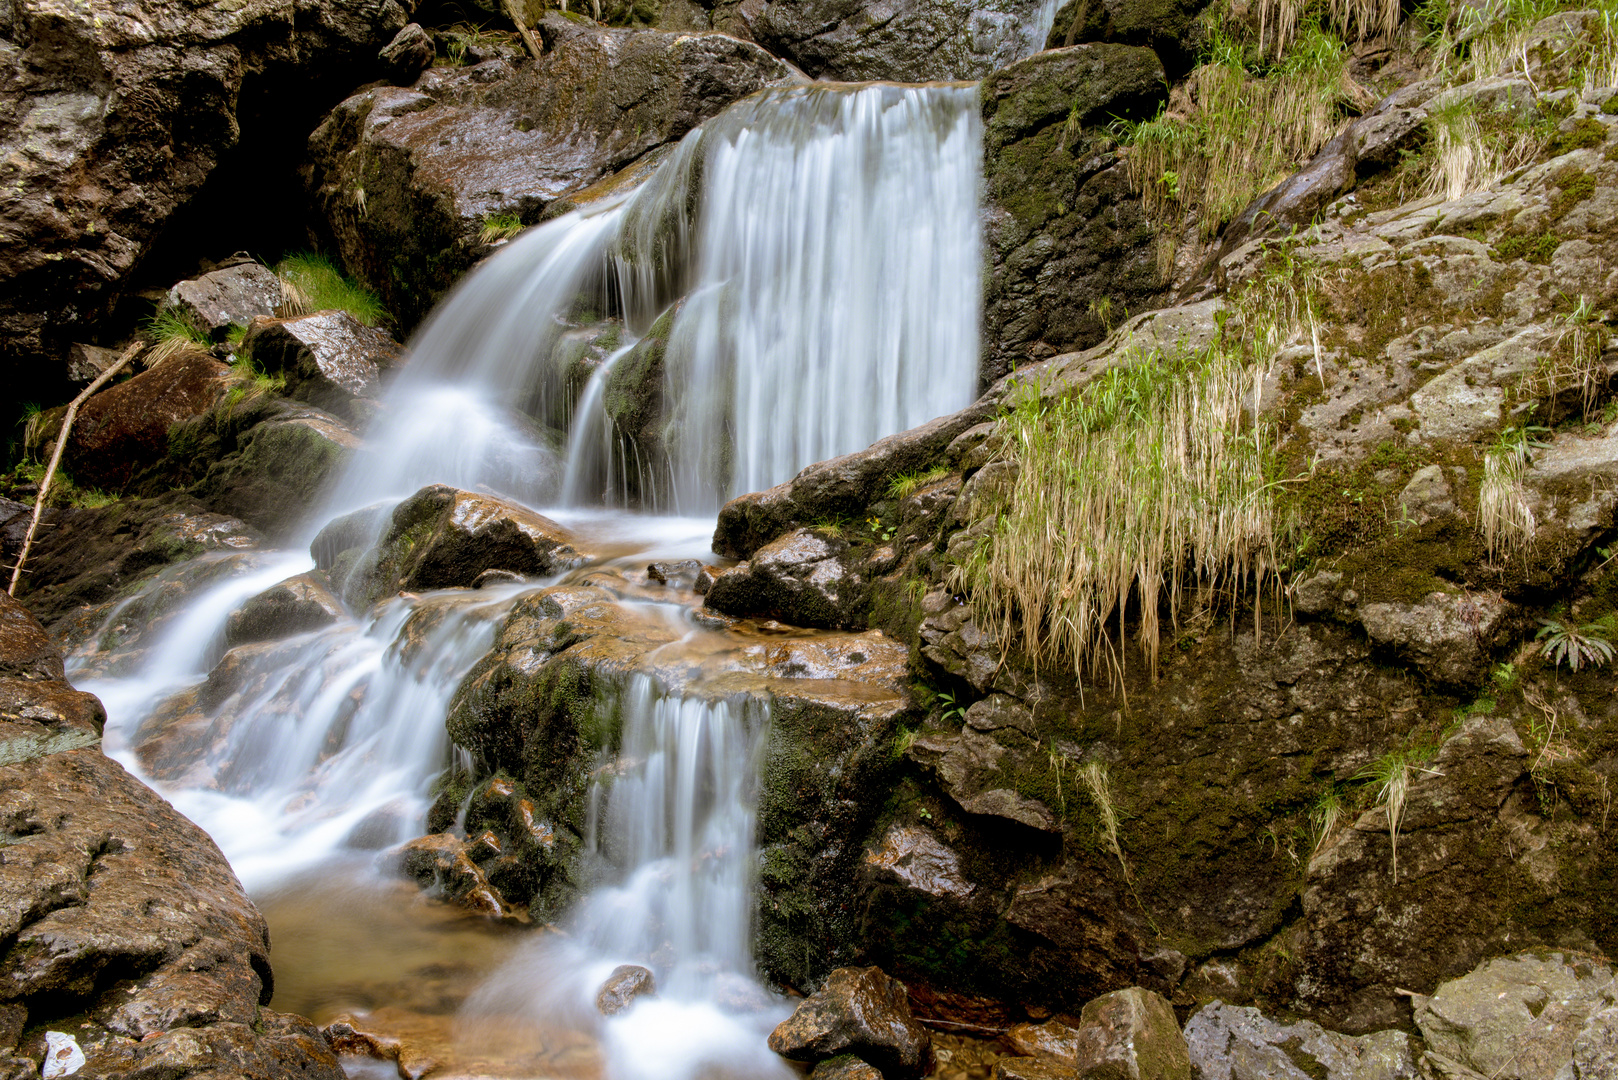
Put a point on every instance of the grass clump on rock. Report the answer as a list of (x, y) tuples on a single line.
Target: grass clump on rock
[(311, 283), (172, 333), (1250, 125), (1149, 482)]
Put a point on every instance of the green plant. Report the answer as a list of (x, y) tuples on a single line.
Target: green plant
[(1393, 774), (498, 227), (312, 283), (906, 484), (952, 710), (1504, 677), (1247, 130), (1505, 519), (880, 532), (1589, 645), (1323, 818), (173, 332), (247, 382)]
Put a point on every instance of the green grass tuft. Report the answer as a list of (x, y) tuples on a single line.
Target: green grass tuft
[(311, 283), (173, 332), (497, 227), (907, 484)]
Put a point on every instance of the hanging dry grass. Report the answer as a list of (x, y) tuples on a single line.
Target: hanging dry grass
[(1504, 517), (1359, 19), (1245, 134), (1145, 485)]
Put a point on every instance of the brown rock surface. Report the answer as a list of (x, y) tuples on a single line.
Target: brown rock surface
[(860, 1011), (125, 427), (124, 926)]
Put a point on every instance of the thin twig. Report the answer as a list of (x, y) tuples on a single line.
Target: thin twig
[(56, 456)]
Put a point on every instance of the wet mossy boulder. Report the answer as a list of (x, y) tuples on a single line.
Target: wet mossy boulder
[(1066, 234), (803, 579), (124, 429), (1171, 28), (294, 606), (270, 473), (858, 1011), (329, 359), (442, 538)]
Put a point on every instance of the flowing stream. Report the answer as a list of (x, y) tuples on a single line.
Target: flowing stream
[(822, 291)]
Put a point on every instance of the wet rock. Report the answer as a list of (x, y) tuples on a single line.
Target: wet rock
[(128, 934), (404, 179), (970, 771), (330, 359), (1447, 635), (39, 718), (278, 468), (1517, 1017), (839, 486), (894, 40), (232, 296), (1230, 1042), (1001, 711), (801, 579), (683, 573), (497, 577), (295, 606), (626, 983), (125, 427), (860, 1011), (844, 1067), (119, 121), (26, 651), (916, 858), (440, 538), (407, 55), (442, 863), (1066, 235), (1128, 1033)]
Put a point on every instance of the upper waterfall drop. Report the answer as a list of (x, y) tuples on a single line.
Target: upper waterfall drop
[(835, 294), (804, 271)]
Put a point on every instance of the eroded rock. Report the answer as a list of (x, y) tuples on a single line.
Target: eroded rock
[(1446, 635), (626, 983)]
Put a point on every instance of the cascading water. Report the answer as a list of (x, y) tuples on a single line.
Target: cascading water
[(799, 279)]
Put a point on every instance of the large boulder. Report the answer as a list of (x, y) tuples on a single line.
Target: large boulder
[(270, 473), (1125, 1035), (117, 116), (125, 428), (1170, 28), (130, 945), (294, 606), (1067, 238), (896, 40), (802, 579), (406, 178), (1516, 1017), (860, 1011)]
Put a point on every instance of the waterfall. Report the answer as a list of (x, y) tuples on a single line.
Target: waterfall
[(678, 831), (798, 279)]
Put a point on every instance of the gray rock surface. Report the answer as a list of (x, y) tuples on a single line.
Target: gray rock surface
[(801, 578), (896, 40), (1518, 1017), (1129, 1034), (231, 296), (1232, 1042), (1446, 635)]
